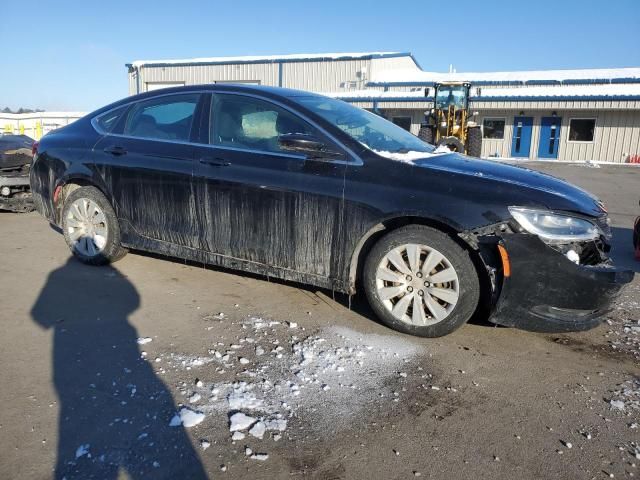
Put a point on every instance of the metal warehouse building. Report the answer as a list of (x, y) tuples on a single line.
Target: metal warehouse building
[(573, 115)]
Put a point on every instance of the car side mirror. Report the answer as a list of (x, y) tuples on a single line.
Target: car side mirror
[(311, 146)]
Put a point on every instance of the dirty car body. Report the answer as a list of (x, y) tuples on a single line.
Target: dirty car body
[(313, 216), (15, 161)]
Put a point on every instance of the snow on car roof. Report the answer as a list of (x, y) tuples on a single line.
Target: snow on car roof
[(271, 58), (613, 91), (592, 75)]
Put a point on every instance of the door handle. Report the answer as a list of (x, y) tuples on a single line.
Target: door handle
[(116, 150), (214, 162)]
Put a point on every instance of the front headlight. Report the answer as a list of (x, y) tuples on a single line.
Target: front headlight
[(554, 227)]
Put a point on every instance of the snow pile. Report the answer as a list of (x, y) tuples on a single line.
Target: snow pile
[(187, 418), (83, 450), (415, 75), (287, 374), (409, 157), (267, 58), (489, 93), (626, 398), (624, 332)]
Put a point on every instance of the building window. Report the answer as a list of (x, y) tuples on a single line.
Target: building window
[(582, 129), (351, 85), (404, 122), (493, 128)]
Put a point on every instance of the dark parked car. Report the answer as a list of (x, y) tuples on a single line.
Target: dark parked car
[(15, 151), (311, 189), (15, 160)]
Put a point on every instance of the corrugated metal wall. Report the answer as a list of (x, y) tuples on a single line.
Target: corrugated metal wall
[(616, 136), (265, 73), (325, 76), (317, 76), (617, 133)]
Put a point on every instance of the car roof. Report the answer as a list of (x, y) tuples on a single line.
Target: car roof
[(274, 92), (228, 87)]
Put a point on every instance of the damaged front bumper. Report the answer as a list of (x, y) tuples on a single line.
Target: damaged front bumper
[(545, 292), (15, 195)]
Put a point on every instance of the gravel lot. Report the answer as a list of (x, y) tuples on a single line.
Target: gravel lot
[(136, 371)]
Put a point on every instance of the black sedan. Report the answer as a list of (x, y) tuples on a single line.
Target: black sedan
[(306, 188)]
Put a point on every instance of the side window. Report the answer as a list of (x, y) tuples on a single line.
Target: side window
[(246, 122), (107, 121), (164, 118)]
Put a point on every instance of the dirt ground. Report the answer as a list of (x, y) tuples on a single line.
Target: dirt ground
[(97, 362)]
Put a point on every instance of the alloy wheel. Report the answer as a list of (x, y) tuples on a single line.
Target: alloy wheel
[(87, 227), (417, 284)]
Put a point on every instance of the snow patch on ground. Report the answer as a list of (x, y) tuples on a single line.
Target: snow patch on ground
[(187, 418), (290, 374)]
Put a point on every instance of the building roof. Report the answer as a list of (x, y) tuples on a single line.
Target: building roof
[(301, 57), (418, 77), (530, 93)]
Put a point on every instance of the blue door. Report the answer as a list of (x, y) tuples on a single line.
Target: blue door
[(521, 143), (549, 137)]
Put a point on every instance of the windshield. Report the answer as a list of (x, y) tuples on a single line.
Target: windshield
[(365, 127), (451, 95)]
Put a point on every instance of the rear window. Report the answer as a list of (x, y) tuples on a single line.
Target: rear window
[(164, 118), (109, 120)]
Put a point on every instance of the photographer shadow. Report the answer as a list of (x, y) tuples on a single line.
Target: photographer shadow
[(114, 411)]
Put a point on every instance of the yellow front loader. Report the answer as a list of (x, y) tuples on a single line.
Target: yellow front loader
[(448, 123)]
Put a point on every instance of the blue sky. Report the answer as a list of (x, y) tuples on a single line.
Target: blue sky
[(70, 55)]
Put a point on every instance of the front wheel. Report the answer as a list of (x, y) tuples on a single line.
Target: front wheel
[(91, 228), (474, 142), (419, 281)]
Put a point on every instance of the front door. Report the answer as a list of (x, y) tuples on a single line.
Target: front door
[(147, 165), (549, 137), (521, 142), (259, 202)]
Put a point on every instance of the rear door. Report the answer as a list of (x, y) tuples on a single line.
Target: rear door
[(146, 161), (261, 203)]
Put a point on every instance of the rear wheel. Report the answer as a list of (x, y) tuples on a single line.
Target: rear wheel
[(426, 134), (419, 281), (474, 142), (91, 228)]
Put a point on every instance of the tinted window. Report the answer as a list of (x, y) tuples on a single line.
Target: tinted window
[(247, 122), (108, 121), (364, 127), (493, 128), (164, 118), (582, 129)]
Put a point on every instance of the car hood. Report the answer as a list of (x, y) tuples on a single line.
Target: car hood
[(543, 189)]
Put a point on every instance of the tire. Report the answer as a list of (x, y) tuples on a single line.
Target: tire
[(87, 208), (474, 142), (426, 134), (453, 143), (453, 313), (636, 234)]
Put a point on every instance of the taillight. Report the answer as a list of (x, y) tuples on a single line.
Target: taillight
[(34, 148)]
